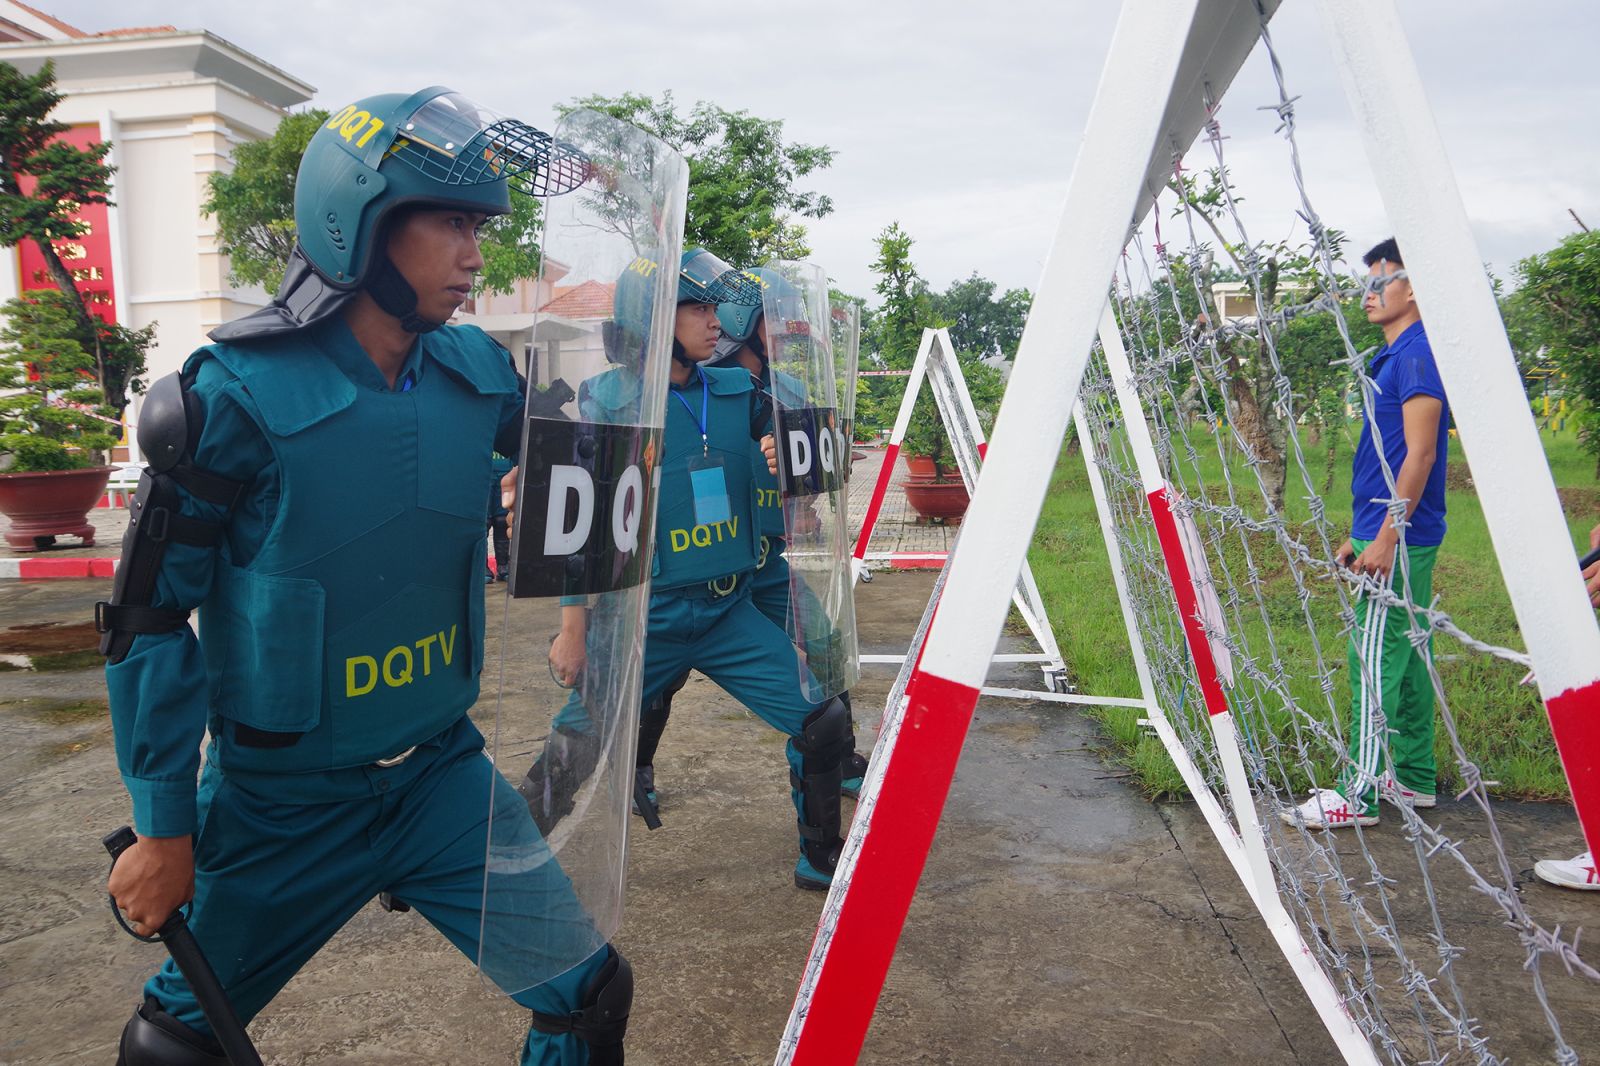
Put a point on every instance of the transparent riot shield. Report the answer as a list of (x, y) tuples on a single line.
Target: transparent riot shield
[(574, 620), (812, 456), (845, 317)]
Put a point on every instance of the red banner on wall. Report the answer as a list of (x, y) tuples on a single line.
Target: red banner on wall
[(87, 256)]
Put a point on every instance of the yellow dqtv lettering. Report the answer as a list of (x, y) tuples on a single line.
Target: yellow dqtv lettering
[(351, 689), (399, 664)]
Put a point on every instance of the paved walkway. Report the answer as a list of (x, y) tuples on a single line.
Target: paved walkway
[(897, 530)]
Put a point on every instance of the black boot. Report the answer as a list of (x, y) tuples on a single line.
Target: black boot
[(153, 1037)]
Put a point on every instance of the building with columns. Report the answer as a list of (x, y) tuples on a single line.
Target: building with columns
[(173, 103)]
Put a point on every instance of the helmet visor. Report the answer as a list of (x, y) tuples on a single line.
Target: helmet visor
[(708, 280), (456, 141)]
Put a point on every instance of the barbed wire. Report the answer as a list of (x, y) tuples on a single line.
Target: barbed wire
[(1399, 979)]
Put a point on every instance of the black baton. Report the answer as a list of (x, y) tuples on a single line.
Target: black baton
[(191, 961), (641, 800)]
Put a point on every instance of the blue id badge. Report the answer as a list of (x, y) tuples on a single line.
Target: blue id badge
[(710, 491)]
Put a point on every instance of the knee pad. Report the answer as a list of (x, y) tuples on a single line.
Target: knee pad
[(153, 1037), (602, 1021), (824, 741), (825, 736)]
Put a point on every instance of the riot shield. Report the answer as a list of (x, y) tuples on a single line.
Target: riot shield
[(845, 318), (812, 455), (566, 716)]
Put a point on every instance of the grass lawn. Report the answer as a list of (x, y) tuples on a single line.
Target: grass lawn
[(1502, 725)]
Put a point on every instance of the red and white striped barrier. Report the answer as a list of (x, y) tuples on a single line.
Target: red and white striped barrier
[(42, 569)]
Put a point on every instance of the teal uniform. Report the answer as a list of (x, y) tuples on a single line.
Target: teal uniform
[(342, 623), (770, 586), (702, 615)]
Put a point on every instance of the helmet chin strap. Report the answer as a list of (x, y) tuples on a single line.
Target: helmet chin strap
[(394, 295), (680, 354)]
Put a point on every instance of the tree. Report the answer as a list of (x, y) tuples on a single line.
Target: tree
[(51, 414), (1242, 373), (63, 178), (890, 339), (978, 322), (1560, 295), (254, 205), (742, 197)]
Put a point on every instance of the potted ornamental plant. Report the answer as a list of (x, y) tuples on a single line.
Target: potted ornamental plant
[(55, 429), (934, 488)]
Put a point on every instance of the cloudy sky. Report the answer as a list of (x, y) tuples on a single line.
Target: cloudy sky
[(962, 120)]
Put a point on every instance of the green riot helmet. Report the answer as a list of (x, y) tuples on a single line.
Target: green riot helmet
[(627, 332), (740, 322), (434, 148), (705, 279)]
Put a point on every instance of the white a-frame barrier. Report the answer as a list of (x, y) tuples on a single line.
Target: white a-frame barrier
[(1168, 58), (937, 364)]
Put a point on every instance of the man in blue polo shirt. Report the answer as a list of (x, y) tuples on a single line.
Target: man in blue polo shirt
[(1406, 430)]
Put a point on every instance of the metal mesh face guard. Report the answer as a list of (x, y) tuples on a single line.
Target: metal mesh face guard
[(703, 278), (454, 141)]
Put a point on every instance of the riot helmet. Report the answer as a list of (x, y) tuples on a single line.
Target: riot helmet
[(705, 279), (626, 333), (742, 324), (432, 149)]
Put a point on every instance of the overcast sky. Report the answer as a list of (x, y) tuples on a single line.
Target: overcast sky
[(962, 120)]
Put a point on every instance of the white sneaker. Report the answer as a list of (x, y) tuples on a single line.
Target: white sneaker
[(1327, 809), (1577, 872), (1420, 800)]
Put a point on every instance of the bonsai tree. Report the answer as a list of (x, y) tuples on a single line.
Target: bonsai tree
[(44, 181), (51, 412)]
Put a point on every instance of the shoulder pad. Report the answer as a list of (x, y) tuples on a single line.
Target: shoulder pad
[(728, 381), (164, 424), (473, 358)]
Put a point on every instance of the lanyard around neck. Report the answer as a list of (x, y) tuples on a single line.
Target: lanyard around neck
[(703, 418)]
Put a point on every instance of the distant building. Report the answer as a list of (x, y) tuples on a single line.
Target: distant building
[(173, 103), (566, 342)]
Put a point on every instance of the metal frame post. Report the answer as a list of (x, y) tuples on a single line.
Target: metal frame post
[(886, 852)]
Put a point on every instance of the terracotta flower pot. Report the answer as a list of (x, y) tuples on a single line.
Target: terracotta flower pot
[(945, 500), (50, 503), (920, 466)]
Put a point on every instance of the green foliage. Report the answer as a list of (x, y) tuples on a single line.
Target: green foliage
[(893, 333), (978, 321), (1501, 723), (254, 205), (1558, 306), (65, 178), (742, 197), (510, 246), (48, 391)]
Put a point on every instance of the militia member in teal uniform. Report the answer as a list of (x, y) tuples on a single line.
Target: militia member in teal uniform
[(316, 487), (742, 344), (702, 616)]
